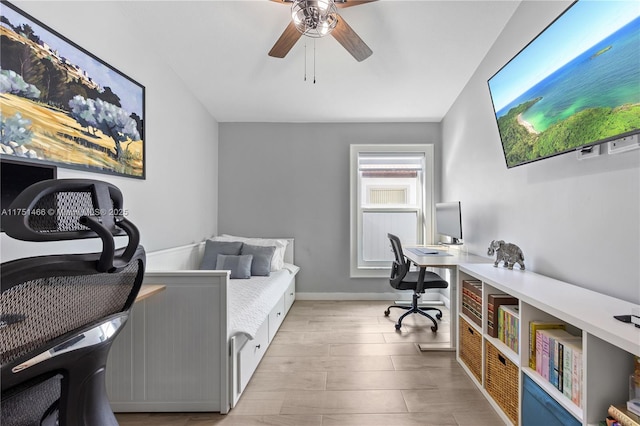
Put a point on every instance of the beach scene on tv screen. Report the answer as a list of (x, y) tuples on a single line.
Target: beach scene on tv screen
[(577, 83)]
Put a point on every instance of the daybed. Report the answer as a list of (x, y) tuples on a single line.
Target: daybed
[(195, 345)]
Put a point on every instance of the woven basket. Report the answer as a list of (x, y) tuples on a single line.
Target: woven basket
[(470, 348), (501, 381)]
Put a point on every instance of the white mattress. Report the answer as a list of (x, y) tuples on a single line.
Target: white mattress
[(251, 300)]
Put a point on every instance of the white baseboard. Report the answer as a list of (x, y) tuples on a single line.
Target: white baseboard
[(370, 296)]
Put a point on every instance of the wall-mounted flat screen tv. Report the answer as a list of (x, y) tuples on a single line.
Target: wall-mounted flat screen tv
[(575, 85)]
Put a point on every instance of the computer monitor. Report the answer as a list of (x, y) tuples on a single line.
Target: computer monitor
[(449, 221)]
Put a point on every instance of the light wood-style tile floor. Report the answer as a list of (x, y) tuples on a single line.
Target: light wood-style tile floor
[(341, 363)]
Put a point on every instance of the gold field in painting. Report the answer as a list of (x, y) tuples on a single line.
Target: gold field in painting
[(58, 137)]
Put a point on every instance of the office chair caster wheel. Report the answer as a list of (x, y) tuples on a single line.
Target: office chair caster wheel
[(387, 312), (439, 316), (434, 328)]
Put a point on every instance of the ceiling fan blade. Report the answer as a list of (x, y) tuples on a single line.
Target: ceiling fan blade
[(286, 41), (350, 40), (348, 3)]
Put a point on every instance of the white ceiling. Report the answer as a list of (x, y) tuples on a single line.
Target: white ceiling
[(424, 52)]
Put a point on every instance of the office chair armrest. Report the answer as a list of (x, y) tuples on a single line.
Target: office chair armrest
[(105, 263), (134, 238)]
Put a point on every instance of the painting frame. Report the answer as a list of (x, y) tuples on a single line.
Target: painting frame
[(62, 105)]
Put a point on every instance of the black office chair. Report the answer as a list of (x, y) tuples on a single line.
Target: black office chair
[(403, 279), (60, 313)]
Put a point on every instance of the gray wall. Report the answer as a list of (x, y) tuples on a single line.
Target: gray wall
[(292, 180), (577, 221), (172, 206)]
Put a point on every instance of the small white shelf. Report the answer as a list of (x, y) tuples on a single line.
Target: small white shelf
[(608, 344), (583, 308)]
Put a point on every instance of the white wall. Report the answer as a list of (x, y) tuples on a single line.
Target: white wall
[(577, 221), (292, 180), (177, 203)]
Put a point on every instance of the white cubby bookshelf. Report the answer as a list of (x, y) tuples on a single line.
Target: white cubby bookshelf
[(608, 345)]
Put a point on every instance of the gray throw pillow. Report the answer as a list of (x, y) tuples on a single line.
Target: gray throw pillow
[(261, 265), (213, 248), (240, 266)]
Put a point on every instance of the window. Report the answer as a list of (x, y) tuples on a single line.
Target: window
[(391, 187)]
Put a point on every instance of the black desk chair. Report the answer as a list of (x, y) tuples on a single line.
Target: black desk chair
[(60, 313), (403, 279)]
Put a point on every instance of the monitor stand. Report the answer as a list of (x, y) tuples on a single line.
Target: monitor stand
[(454, 242)]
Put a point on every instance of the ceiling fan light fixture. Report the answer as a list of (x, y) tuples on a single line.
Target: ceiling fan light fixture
[(314, 18)]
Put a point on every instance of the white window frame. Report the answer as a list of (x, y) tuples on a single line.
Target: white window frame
[(428, 185)]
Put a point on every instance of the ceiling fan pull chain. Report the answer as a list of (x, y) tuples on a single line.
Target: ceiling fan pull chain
[(314, 61), (305, 61)]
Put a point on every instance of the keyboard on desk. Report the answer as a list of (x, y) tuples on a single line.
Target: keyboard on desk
[(424, 251)]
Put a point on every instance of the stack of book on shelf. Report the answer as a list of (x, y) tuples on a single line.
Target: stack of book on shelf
[(472, 300), (493, 305), (559, 361), (619, 415), (533, 327), (508, 323)]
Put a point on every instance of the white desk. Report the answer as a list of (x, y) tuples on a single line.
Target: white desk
[(147, 290), (451, 262)]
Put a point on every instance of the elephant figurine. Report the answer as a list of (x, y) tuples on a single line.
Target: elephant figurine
[(508, 253)]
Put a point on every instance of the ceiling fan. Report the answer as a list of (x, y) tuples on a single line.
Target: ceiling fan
[(317, 18)]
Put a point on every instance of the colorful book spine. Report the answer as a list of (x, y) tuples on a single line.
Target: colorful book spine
[(567, 368), (493, 304), (544, 365), (472, 300), (508, 331), (556, 364), (538, 365), (569, 364), (533, 348), (576, 373), (552, 354)]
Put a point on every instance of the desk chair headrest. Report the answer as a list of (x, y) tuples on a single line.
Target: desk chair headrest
[(70, 209)]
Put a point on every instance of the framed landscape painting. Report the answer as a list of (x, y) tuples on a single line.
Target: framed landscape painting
[(61, 105)]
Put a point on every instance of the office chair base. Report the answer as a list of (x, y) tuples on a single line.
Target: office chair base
[(415, 309)]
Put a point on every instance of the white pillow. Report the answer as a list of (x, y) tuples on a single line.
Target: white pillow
[(277, 262)]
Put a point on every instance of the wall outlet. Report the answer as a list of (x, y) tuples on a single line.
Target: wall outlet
[(623, 145), (588, 152)]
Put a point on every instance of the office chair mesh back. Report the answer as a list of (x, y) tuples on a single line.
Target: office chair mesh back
[(57, 305), (69, 306), (400, 266), (69, 206)]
